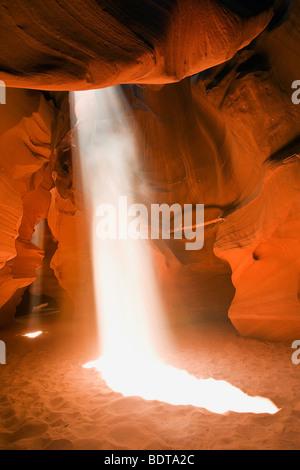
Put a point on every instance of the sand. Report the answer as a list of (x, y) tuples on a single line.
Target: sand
[(48, 401)]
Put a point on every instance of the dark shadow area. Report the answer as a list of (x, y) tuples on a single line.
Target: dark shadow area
[(42, 305), (248, 8), (147, 19)]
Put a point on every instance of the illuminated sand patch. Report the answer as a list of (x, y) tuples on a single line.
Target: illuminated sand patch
[(160, 382), (33, 335)]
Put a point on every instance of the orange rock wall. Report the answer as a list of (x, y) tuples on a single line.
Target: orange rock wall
[(227, 138)]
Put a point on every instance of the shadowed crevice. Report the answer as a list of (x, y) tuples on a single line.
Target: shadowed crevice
[(248, 8)]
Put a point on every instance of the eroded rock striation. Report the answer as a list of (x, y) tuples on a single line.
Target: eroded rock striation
[(71, 45), (207, 86)]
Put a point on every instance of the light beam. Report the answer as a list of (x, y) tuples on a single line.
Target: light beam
[(129, 309)]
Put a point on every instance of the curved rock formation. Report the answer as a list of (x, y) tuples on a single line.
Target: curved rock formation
[(25, 142), (226, 136), (261, 243), (97, 43)]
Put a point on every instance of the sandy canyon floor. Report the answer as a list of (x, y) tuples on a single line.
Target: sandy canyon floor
[(48, 401)]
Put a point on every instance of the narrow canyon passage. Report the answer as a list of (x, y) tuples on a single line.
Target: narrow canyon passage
[(149, 225)]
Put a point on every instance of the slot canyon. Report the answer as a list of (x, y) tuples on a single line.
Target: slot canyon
[(114, 339)]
